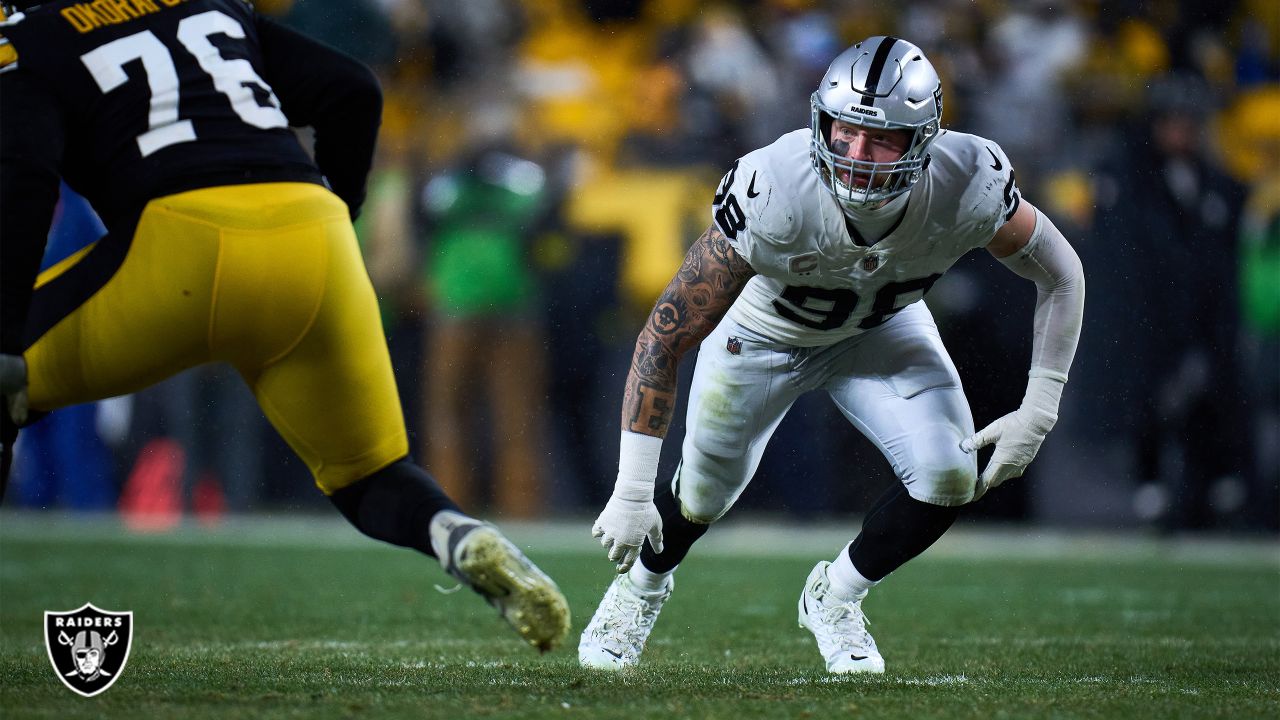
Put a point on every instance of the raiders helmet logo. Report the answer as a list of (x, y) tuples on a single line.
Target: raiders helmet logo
[(88, 647)]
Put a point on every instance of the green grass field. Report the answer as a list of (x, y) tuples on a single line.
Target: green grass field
[(303, 618)]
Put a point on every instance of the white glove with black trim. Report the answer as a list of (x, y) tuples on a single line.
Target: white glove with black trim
[(630, 515), (1018, 435)]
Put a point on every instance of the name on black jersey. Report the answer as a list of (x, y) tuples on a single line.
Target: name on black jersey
[(88, 16)]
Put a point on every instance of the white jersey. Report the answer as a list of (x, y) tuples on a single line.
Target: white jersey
[(814, 284)]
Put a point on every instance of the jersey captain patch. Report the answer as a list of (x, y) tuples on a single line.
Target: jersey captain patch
[(803, 265)]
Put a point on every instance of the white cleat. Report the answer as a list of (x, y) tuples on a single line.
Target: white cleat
[(839, 627), (530, 602), (616, 635)]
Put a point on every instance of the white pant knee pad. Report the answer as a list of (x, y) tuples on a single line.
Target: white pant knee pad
[(704, 489), (942, 473)]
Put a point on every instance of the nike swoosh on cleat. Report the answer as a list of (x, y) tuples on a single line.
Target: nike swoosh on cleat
[(859, 657), (617, 655), (999, 165), (752, 187)]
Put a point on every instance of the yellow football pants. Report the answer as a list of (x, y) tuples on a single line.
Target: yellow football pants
[(266, 277)]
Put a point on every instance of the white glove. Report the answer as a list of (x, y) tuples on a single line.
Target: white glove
[(623, 526), (630, 515), (1018, 435)]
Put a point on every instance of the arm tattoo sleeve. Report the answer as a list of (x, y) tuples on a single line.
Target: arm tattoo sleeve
[(710, 279)]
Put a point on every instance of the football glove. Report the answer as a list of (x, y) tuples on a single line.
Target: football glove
[(1018, 435), (630, 515), (623, 526)]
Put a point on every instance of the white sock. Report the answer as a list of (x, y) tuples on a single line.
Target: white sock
[(442, 525), (647, 581), (846, 581)]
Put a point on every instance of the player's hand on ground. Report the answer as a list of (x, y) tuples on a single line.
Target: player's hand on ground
[(623, 526), (1017, 437)]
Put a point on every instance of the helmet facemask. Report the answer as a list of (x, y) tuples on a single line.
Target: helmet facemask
[(880, 83)]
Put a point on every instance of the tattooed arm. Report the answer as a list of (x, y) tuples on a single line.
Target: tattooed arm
[(708, 282), (711, 278)]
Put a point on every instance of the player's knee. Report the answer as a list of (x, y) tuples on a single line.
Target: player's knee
[(944, 474), (702, 515), (706, 486), (702, 503), (950, 486)]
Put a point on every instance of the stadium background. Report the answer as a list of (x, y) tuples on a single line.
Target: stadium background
[(544, 163)]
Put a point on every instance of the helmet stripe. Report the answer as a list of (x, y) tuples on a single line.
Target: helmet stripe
[(877, 69)]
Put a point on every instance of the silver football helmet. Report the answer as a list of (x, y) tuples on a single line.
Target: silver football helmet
[(882, 82)]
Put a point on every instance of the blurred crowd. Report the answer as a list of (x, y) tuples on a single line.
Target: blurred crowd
[(543, 165)]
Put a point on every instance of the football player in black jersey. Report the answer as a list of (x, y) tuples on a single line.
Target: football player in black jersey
[(226, 243)]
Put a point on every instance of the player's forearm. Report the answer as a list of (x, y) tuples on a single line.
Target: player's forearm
[(345, 140), (649, 399), (31, 150), (331, 92), (648, 404), (1050, 262), (709, 281)]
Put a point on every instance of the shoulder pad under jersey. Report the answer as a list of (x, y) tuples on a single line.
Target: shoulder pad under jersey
[(754, 206), (979, 178)]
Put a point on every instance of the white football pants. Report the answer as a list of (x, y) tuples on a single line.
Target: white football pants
[(895, 383)]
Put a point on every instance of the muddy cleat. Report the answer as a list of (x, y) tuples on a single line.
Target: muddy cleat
[(839, 627), (479, 556), (616, 635)]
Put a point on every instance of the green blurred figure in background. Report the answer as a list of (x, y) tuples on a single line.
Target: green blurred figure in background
[(485, 347)]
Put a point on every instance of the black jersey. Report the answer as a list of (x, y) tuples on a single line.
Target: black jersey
[(129, 100), (156, 97)]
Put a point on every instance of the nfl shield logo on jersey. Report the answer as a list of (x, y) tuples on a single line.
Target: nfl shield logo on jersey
[(88, 647), (871, 262), (734, 346)]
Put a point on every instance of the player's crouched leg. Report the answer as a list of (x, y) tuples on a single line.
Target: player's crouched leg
[(401, 504), (938, 477), (708, 483), (943, 474)]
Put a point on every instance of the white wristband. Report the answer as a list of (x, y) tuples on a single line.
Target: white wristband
[(1044, 390), (637, 466)]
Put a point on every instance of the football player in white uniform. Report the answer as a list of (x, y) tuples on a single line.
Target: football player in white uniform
[(810, 278)]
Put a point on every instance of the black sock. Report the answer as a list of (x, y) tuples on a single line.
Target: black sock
[(897, 528), (678, 534), (395, 505)]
